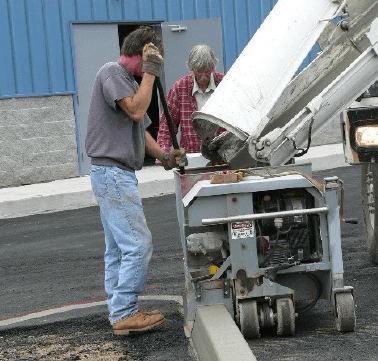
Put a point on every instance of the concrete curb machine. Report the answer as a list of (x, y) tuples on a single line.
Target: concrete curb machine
[(260, 235)]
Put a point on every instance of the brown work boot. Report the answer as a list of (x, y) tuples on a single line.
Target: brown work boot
[(153, 312), (139, 322)]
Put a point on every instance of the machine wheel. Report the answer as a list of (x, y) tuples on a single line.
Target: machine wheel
[(285, 317), (345, 312), (369, 189), (249, 320)]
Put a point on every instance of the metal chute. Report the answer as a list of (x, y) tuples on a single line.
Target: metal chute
[(260, 95)]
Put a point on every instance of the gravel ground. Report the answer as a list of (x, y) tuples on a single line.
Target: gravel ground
[(90, 338)]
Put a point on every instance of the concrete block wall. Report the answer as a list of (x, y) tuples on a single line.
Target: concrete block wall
[(37, 140)]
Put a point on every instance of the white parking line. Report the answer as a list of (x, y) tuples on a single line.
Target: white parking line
[(61, 309)]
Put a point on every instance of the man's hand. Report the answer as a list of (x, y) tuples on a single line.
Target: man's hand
[(176, 157), (152, 60)]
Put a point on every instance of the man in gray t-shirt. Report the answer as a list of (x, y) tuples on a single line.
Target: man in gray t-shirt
[(116, 142)]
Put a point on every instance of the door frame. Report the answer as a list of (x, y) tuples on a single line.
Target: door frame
[(75, 94), (158, 26)]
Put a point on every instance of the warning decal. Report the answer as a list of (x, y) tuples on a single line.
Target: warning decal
[(241, 229)]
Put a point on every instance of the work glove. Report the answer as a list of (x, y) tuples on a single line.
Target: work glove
[(152, 60), (176, 157)]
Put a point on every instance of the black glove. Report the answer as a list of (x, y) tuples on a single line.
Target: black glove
[(152, 60), (176, 157)]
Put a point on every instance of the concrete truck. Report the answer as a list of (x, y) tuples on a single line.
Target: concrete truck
[(360, 134)]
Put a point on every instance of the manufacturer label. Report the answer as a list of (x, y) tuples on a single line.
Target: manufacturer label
[(242, 229)]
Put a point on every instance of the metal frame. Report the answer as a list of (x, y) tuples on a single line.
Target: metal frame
[(235, 200)]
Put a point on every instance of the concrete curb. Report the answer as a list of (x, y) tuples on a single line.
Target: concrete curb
[(75, 193), (216, 337)]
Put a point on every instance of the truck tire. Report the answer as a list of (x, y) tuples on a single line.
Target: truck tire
[(369, 190)]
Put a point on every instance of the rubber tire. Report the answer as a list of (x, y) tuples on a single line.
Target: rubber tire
[(370, 220), (249, 320), (345, 312), (285, 317)]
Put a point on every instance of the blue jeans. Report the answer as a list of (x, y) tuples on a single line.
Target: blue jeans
[(127, 238)]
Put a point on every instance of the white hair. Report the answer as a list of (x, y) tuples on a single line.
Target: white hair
[(201, 57)]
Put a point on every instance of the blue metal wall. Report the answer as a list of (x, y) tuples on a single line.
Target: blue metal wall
[(35, 38)]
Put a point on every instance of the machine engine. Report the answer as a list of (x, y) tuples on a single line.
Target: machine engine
[(293, 238), (279, 240)]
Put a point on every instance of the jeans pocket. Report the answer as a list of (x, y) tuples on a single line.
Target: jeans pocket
[(126, 185), (99, 181), (124, 178)]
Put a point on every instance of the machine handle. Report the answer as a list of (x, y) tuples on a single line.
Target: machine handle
[(255, 216)]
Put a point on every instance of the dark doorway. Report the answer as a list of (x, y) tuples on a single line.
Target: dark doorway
[(153, 110)]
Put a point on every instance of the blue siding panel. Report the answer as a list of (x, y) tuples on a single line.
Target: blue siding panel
[(174, 10), (229, 37), (160, 9), (54, 50), (214, 9), (85, 10), (254, 16), (7, 65), (68, 13), (188, 10), (145, 10), (241, 19), (36, 45), (101, 10), (21, 45), (131, 10), (202, 10), (38, 55), (114, 10), (266, 6)]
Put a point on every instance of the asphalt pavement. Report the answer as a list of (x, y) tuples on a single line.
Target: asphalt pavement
[(76, 194), (54, 262)]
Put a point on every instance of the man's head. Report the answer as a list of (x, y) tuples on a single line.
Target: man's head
[(202, 63), (134, 42)]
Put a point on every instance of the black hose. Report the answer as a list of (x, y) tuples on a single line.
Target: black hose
[(304, 151), (169, 119)]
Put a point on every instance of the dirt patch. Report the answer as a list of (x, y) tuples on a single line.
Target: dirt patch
[(63, 341)]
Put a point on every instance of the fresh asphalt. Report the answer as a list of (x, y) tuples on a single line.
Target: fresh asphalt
[(51, 260), (56, 259), (52, 276)]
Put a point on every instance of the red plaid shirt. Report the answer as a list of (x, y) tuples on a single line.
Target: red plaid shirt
[(182, 104)]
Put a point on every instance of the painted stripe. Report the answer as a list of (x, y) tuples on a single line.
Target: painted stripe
[(81, 305)]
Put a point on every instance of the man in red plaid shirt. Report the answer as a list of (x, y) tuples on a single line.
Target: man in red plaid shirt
[(189, 94)]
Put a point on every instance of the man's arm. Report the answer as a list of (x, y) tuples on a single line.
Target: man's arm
[(136, 107), (152, 148)]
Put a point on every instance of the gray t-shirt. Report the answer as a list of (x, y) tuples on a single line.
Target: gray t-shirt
[(113, 138)]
